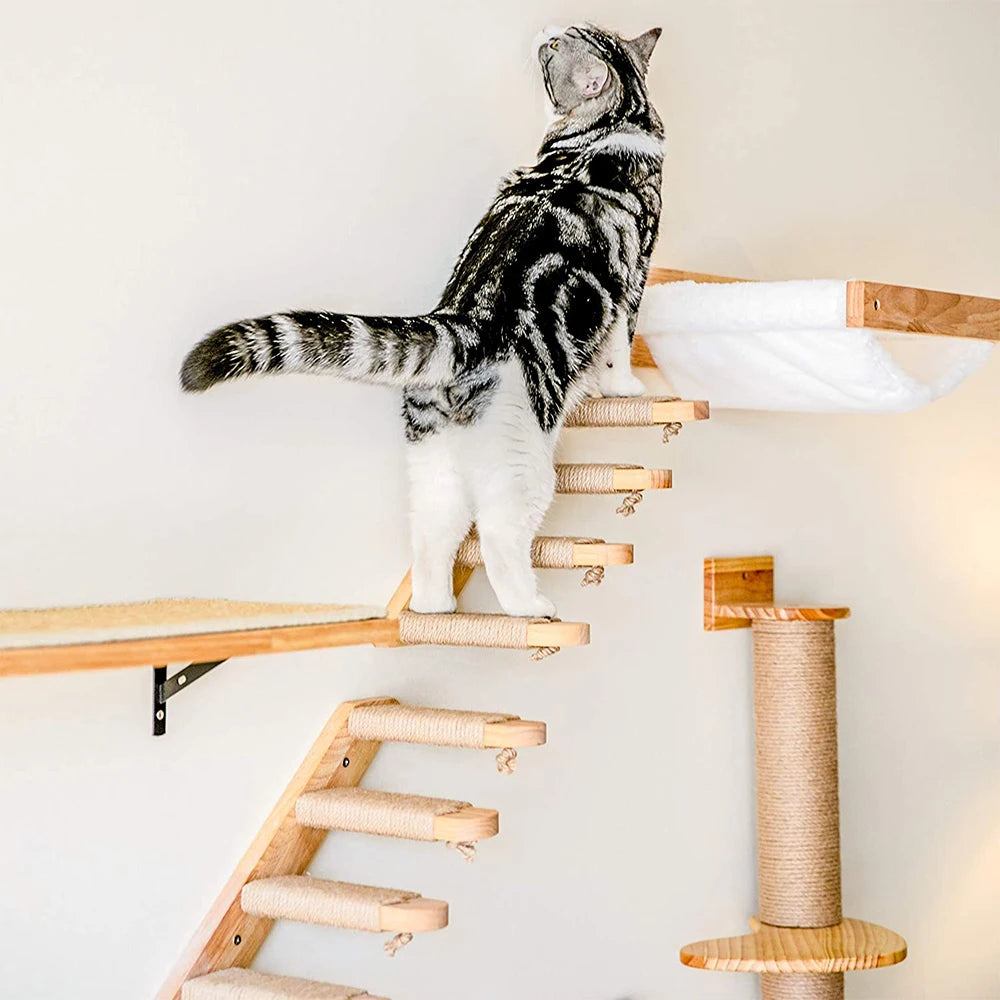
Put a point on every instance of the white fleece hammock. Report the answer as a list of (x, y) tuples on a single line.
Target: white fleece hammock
[(785, 345)]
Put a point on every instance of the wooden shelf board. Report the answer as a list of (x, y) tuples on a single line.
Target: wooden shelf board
[(626, 480), (194, 648), (780, 612), (851, 945), (603, 554)]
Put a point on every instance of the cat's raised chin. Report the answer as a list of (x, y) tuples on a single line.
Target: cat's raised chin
[(539, 310)]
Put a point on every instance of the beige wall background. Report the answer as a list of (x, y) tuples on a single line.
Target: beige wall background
[(168, 167)]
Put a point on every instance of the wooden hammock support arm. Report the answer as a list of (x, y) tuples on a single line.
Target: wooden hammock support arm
[(877, 306)]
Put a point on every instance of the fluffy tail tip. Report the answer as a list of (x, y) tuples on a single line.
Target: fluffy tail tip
[(203, 367)]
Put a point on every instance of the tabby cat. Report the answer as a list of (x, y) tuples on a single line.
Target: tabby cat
[(539, 310)]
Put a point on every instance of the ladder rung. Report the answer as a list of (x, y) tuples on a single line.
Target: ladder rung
[(850, 945), (389, 814), (443, 727), (342, 904), (248, 984), (593, 478), (636, 411), (495, 631), (551, 552)]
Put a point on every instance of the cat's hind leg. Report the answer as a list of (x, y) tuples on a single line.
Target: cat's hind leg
[(507, 524), (614, 376), (440, 517)]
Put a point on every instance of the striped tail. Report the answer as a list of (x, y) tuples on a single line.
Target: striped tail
[(417, 351)]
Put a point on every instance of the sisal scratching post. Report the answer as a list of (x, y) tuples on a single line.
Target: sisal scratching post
[(798, 819), (802, 944)]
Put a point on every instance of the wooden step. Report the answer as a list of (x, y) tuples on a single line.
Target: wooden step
[(443, 727), (636, 411), (342, 904), (555, 552), (389, 814), (491, 631), (848, 946), (248, 984), (609, 478)]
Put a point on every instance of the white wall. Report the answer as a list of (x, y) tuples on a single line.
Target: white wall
[(165, 168)]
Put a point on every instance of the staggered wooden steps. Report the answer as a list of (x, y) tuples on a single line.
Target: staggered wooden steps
[(341, 904), (391, 814), (271, 882), (248, 984), (852, 945)]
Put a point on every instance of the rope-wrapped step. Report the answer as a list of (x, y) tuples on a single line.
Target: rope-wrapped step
[(390, 814), (604, 478), (248, 984), (543, 635), (638, 411), (447, 727), (548, 552), (344, 904)]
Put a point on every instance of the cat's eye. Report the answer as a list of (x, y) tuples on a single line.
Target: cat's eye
[(554, 44)]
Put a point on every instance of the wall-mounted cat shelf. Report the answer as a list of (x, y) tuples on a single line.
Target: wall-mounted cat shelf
[(270, 883), (801, 944)]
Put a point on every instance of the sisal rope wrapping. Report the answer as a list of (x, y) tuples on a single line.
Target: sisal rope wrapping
[(802, 986), (362, 810), (465, 630), (446, 727), (546, 552), (795, 714), (248, 984), (616, 411), (588, 478), (317, 901)]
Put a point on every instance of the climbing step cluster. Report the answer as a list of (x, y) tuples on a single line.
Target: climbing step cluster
[(273, 883)]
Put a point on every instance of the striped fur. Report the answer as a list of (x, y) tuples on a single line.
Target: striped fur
[(540, 307)]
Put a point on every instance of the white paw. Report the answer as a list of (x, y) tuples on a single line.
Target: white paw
[(613, 382), (433, 604), (538, 607)]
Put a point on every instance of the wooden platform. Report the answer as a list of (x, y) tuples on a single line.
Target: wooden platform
[(848, 946), (94, 637)]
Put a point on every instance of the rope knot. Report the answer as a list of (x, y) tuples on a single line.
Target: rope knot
[(593, 577), (629, 503), (394, 944), (671, 430), (542, 651), (507, 760), (464, 847)]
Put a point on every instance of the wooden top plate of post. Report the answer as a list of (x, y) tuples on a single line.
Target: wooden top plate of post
[(740, 590)]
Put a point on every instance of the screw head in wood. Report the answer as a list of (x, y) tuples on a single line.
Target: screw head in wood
[(238, 939), (347, 762)]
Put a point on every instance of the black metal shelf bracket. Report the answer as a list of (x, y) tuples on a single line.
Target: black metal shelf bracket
[(165, 687)]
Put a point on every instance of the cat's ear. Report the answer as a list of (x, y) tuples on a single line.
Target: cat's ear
[(642, 47)]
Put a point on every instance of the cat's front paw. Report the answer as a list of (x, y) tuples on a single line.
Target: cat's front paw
[(620, 382), (433, 604), (538, 607)]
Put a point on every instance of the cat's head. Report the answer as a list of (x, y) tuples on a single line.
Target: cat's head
[(591, 73)]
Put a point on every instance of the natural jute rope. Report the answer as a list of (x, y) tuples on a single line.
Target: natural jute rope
[(438, 726), (616, 411), (546, 553), (802, 986), (316, 901), (588, 477), (499, 631), (795, 713), (363, 810), (248, 984)]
